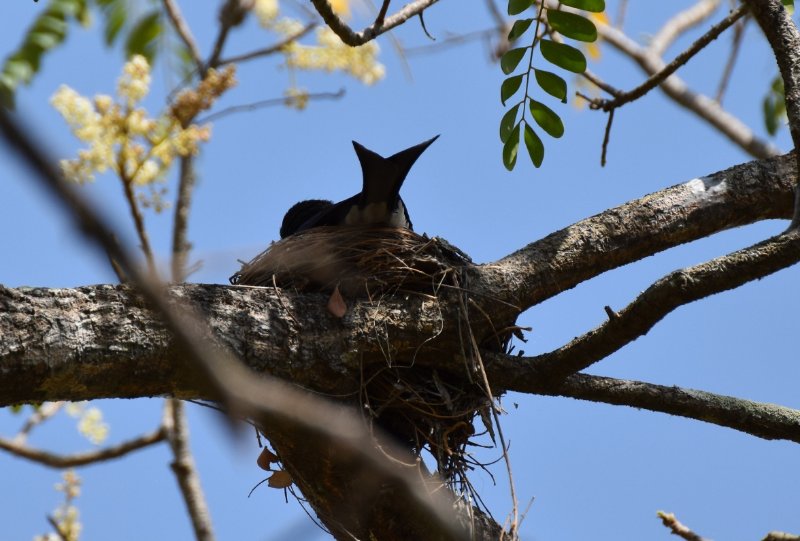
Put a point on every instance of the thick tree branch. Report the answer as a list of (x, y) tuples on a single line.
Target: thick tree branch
[(784, 38), (54, 460), (676, 289), (354, 39), (703, 106), (737, 196)]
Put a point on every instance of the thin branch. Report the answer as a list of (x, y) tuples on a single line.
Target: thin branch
[(760, 419), (382, 14), (703, 106), (231, 14), (43, 413), (680, 23), (141, 231), (272, 49), (784, 38), (180, 245), (659, 77), (676, 528), (53, 460), (287, 100), (674, 290), (733, 56), (177, 430), (183, 31), (354, 39)]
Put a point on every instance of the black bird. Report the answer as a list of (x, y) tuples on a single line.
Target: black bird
[(378, 202)]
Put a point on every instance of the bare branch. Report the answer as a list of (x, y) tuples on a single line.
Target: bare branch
[(180, 245), (763, 420), (784, 38), (177, 430), (740, 195), (781, 536), (676, 528), (680, 23), (674, 290), (272, 49), (703, 106), (354, 39), (286, 100), (733, 55), (82, 459), (183, 31), (43, 413), (673, 66)]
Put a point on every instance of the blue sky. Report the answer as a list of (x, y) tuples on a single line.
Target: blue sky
[(594, 470)]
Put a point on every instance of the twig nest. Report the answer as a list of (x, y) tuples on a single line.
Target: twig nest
[(361, 260)]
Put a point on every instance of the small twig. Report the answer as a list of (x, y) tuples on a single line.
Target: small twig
[(680, 23), (606, 138), (53, 460), (138, 220), (272, 49), (177, 430), (54, 523), (382, 14), (736, 45), (354, 39), (676, 528), (622, 9), (271, 102), (598, 82), (672, 67), (182, 28), (231, 14)]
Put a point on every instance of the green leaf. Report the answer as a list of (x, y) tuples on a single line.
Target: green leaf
[(518, 6), (547, 119), (519, 28), (572, 25), (595, 6), (115, 17), (552, 84), (534, 146), (563, 56), (770, 118), (508, 122), (510, 149), (142, 37), (789, 5), (510, 87), (47, 31), (510, 59)]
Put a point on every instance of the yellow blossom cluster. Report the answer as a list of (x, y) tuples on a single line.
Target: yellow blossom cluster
[(332, 54), (66, 516), (121, 137), (329, 54), (90, 422)]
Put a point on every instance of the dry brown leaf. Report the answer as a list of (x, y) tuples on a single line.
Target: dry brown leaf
[(336, 304), (266, 458), (280, 479)]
